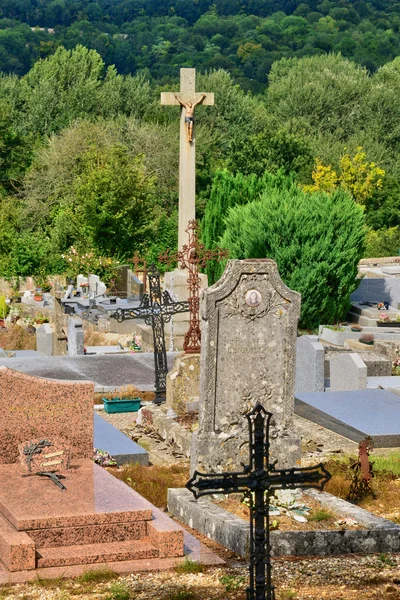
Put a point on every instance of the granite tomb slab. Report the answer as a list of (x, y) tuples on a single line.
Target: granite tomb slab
[(354, 414)]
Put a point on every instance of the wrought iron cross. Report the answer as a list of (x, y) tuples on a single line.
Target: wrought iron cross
[(156, 309), (193, 257), (257, 482)]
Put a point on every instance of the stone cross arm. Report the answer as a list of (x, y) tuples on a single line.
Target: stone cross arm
[(169, 99)]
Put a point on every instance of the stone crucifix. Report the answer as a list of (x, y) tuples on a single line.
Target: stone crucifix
[(188, 98)]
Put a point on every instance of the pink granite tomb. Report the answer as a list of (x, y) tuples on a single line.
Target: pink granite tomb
[(97, 519), (34, 407)]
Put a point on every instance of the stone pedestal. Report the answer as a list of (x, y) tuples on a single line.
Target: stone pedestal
[(176, 282), (183, 383)]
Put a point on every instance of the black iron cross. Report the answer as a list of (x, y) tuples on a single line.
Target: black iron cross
[(156, 309), (257, 482)]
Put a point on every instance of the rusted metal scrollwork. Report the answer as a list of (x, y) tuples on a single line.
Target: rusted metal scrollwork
[(193, 257)]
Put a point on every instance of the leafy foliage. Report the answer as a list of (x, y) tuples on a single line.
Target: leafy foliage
[(316, 239), (385, 242), (358, 177), (227, 191)]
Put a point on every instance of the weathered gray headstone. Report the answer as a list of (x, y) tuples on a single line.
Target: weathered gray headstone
[(44, 339), (249, 329), (347, 372), (75, 337), (68, 291), (310, 355)]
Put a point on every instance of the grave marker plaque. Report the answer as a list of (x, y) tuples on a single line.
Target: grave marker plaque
[(43, 454)]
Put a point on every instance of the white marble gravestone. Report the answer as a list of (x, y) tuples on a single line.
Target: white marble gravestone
[(44, 339), (75, 337), (96, 287), (248, 353)]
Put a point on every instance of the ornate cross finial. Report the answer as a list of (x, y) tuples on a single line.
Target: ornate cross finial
[(193, 257)]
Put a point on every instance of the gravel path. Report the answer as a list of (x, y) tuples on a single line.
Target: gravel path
[(339, 578)]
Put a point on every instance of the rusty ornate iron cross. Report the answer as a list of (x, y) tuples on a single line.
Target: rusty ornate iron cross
[(257, 482), (193, 257), (140, 266)]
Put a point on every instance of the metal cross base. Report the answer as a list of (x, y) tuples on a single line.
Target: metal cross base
[(257, 482), (156, 309)]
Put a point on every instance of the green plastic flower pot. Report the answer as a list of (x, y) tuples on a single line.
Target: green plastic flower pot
[(120, 406)]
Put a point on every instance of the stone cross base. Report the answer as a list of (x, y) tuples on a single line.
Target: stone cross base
[(183, 383), (176, 283), (233, 450)]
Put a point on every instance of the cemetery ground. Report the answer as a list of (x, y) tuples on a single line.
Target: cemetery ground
[(351, 577)]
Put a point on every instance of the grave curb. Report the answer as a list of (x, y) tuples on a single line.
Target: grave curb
[(338, 337), (171, 431), (233, 532)]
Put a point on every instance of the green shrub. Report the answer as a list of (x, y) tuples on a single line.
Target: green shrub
[(3, 307), (227, 191), (119, 591), (385, 242), (189, 566), (320, 514), (316, 239)]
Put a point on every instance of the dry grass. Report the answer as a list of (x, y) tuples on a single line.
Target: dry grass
[(94, 338), (385, 497), (153, 482), (16, 337), (144, 396)]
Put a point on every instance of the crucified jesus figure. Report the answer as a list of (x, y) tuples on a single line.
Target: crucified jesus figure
[(189, 114)]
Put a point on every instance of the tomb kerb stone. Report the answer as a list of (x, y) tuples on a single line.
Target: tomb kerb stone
[(249, 329)]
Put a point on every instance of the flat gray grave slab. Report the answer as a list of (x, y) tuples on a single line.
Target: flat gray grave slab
[(383, 382), (117, 444), (378, 290), (104, 370), (354, 414), (106, 350), (25, 354)]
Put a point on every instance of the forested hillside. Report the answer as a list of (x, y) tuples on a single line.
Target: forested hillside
[(244, 37)]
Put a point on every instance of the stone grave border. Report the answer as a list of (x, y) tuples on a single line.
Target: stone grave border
[(380, 535), (166, 426), (338, 337)]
